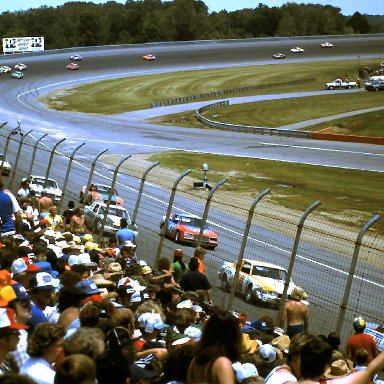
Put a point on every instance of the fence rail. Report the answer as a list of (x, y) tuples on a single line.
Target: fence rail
[(324, 251)]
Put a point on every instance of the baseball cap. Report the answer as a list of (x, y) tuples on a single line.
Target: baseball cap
[(151, 321), (7, 294), (118, 337), (8, 319), (24, 264), (129, 244), (5, 278), (20, 291), (43, 280), (138, 296), (87, 237), (87, 287), (244, 371), (45, 266), (260, 326), (146, 270), (85, 259), (178, 252), (193, 333), (358, 322), (144, 368), (267, 352)]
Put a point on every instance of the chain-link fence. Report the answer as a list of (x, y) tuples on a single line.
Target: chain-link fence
[(338, 264)]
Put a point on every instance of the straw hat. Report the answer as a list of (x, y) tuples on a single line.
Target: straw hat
[(100, 281), (339, 368), (281, 342)]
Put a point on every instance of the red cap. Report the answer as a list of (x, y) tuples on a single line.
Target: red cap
[(8, 319), (5, 278), (31, 266)]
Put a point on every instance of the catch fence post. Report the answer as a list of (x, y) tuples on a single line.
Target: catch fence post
[(169, 209), (34, 153), (351, 273), (50, 161), (242, 248), (91, 172), (293, 255)]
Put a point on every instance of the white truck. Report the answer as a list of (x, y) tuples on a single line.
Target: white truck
[(258, 281), (341, 84)]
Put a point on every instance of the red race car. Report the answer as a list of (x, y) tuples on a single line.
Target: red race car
[(73, 66), (149, 57), (185, 228)]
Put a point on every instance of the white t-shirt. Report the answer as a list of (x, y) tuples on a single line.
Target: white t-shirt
[(39, 370), (279, 375)]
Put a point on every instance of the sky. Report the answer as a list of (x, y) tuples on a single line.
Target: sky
[(348, 7)]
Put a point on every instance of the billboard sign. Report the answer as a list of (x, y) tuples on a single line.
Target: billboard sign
[(23, 44)]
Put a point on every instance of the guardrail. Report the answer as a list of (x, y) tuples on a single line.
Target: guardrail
[(246, 128), (224, 92)]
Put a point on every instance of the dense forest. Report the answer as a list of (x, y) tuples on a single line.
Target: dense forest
[(78, 24)]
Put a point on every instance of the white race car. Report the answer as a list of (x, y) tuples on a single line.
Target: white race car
[(297, 50), (326, 45), (5, 69)]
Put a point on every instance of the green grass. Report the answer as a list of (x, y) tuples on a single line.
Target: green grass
[(135, 93), (290, 184)]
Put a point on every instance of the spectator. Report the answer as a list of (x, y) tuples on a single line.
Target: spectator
[(178, 266), (54, 219), (199, 253), (218, 348), (76, 223), (23, 270), (163, 275), (360, 340), (9, 332), (194, 280), (76, 369), (23, 192), (125, 234), (290, 371), (44, 347), (44, 204), (67, 215), (9, 207), (295, 313)]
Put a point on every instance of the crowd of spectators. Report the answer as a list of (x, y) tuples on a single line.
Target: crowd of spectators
[(80, 311)]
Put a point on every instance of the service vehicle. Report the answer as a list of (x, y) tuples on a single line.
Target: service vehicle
[(100, 193), (373, 79), (5, 69), (94, 214), (297, 50), (73, 66), (278, 56), (75, 57), (184, 228), (39, 183), (375, 86), (20, 67), (326, 45), (4, 165), (149, 57), (17, 75), (341, 84), (258, 281)]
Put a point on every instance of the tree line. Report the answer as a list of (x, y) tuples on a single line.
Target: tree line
[(77, 24)]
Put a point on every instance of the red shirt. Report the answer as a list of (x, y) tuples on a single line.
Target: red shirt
[(359, 341)]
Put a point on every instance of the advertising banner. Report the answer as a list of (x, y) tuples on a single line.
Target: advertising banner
[(23, 44)]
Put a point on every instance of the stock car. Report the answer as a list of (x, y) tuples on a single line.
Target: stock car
[(5, 69), (76, 57), (100, 193), (17, 75), (20, 67), (184, 228), (94, 214), (50, 186), (326, 45), (149, 57), (278, 56), (258, 281), (5, 167), (73, 66), (297, 50)]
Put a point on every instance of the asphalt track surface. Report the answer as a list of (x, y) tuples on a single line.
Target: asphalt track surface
[(132, 135), (128, 134)]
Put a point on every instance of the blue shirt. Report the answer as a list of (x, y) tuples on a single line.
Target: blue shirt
[(6, 212), (123, 235)]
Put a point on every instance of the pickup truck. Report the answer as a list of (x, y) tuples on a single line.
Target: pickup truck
[(258, 281), (341, 84)]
